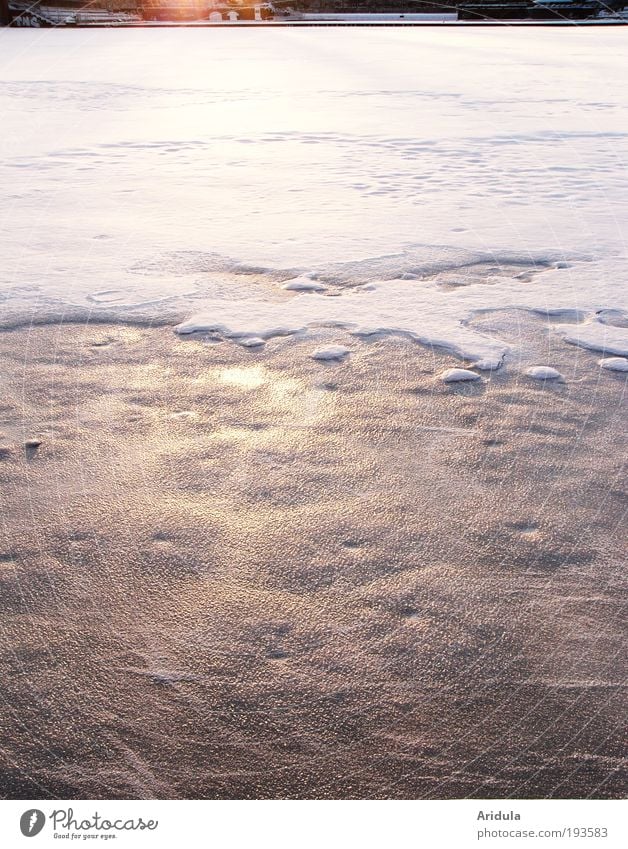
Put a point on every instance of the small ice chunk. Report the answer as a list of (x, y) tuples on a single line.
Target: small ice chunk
[(331, 352), (304, 284), (453, 375), (544, 373), (252, 342), (614, 363), (183, 415)]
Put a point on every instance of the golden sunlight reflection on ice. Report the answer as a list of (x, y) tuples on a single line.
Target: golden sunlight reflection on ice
[(245, 377), (291, 401)]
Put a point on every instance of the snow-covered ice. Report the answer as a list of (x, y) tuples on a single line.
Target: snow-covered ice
[(416, 577), (598, 336), (376, 180), (544, 373), (614, 364)]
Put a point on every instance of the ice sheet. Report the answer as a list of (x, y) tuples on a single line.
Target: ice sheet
[(418, 175)]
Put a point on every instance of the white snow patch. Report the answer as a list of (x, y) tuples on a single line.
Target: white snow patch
[(304, 284), (396, 306), (454, 375), (544, 373), (597, 336), (331, 352), (252, 342), (614, 363)]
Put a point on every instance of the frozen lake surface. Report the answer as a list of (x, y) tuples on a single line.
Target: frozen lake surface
[(237, 179), (282, 558)]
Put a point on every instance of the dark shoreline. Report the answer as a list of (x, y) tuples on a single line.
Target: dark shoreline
[(311, 24)]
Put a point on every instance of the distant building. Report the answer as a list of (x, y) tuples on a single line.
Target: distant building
[(175, 10), (240, 10)]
